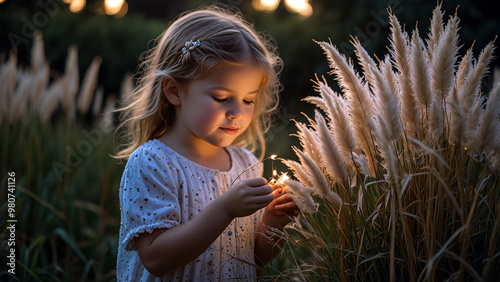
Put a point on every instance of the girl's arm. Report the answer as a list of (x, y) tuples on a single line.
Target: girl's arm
[(166, 250), (276, 215)]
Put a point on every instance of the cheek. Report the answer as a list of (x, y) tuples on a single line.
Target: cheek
[(206, 116), (249, 114)]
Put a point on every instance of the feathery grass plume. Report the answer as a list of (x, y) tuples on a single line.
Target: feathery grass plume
[(307, 139), (385, 143), (325, 102), (496, 74), (331, 159), (469, 93), (301, 196), (436, 119), (427, 208), (456, 117), (435, 32), (127, 87), (300, 172), (40, 83), (365, 60), (8, 81), (336, 110), (487, 134), (106, 121), (410, 114), (97, 104), (388, 73), (319, 180), (343, 133), (20, 100), (419, 74), (463, 68), (358, 96), (400, 50), (72, 76), (89, 85), (37, 53), (442, 65), (386, 104), (474, 117), (51, 100)]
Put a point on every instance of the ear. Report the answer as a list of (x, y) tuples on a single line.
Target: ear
[(171, 91)]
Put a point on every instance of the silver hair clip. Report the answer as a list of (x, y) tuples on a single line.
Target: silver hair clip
[(190, 46)]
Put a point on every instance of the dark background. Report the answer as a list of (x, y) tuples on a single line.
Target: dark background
[(120, 42)]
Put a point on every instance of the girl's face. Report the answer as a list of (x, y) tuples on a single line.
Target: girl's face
[(219, 106)]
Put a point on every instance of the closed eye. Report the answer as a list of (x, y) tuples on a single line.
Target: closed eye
[(248, 102), (219, 100)]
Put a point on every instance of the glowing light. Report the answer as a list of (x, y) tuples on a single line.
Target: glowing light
[(465, 148), (112, 7), (77, 5), (301, 7), (273, 157), (265, 5), (278, 183), (1, 1), (283, 178)]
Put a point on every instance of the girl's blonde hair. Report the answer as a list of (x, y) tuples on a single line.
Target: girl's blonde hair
[(225, 38)]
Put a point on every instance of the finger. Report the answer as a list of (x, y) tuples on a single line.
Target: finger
[(263, 199), (255, 181), (283, 199), (288, 207), (262, 190)]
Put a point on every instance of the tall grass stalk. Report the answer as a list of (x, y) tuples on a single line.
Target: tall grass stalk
[(420, 146), (66, 182)]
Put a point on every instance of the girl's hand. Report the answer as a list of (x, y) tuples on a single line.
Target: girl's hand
[(280, 210), (247, 196)]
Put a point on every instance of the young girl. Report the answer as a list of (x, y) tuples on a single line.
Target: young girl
[(208, 89)]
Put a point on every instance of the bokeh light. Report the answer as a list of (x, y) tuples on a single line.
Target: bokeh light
[(265, 5), (113, 7), (77, 5), (301, 7)]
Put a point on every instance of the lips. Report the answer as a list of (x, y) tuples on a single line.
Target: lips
[(230, 130)]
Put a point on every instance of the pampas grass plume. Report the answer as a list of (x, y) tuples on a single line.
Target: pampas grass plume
[(37, 52), (301, 195), (72, 76), (88, 86), (442, 65), (331, 158), (419, 77), (51, 100), (8, 80), (20, 100), (97, 104), (487, 135), (319, 180)]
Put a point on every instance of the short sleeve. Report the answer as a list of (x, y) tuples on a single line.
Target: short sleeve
[(148, 197)]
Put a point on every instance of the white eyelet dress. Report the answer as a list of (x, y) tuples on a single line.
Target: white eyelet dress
[(162, 189)]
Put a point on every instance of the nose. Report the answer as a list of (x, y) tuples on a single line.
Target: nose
[(235, 111)]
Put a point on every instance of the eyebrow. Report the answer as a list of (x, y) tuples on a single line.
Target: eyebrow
[(229, 90)]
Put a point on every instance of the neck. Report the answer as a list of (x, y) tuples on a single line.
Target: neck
[(198, 151)]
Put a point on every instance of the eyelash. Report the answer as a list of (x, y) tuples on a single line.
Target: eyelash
[(225, 99)]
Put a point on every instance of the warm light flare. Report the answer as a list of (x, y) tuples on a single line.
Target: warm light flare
[(301, 7), (112, 7), (77, 5), (265, 5), (280, 180)]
